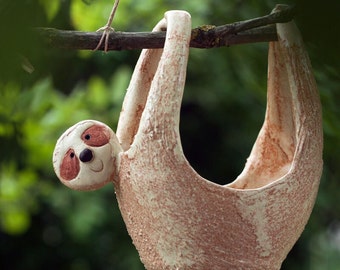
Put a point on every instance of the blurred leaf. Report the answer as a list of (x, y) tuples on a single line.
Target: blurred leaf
[(90, 17), (15, 221), (16, 201), (51, 7), (118, 85), (97, 93), (325, 248)]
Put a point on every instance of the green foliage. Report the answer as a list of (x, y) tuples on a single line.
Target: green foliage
[(133, 15), (223, 110)]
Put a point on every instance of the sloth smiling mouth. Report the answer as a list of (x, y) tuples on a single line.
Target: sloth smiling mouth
[(96, 165)]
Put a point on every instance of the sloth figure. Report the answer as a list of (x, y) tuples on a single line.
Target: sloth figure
[(176, 218)]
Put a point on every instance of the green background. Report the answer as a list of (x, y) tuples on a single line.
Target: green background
[(43, 224)]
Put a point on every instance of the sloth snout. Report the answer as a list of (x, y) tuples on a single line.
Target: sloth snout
[(86, 155)]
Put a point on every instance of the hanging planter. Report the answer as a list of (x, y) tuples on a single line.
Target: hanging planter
[(176, 218)]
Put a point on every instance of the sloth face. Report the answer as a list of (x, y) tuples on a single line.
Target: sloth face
[(85, 156)]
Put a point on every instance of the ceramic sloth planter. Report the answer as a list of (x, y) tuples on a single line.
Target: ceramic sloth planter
[(176, 218)]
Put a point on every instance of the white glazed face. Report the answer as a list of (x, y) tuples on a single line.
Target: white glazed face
[(85, 156)]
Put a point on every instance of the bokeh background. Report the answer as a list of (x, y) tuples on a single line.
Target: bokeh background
[(43, 224)]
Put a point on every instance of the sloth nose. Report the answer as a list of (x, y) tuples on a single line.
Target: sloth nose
[(86, 155)]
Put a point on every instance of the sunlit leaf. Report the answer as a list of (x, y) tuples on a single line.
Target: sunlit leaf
[(90, 17), (51, 7), (97, 93), (17, 202), (15, 221)]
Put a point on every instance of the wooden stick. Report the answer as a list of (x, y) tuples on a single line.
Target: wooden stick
[(260, 29)]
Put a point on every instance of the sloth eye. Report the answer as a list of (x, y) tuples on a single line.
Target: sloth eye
[(96, 135)]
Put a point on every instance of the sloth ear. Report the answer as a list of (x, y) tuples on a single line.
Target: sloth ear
[(101, 147)]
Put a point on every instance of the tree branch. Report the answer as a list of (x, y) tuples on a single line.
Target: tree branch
[(260, 29)]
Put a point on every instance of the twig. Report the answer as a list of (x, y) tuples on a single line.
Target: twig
[(107, 29), (260, 29)]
